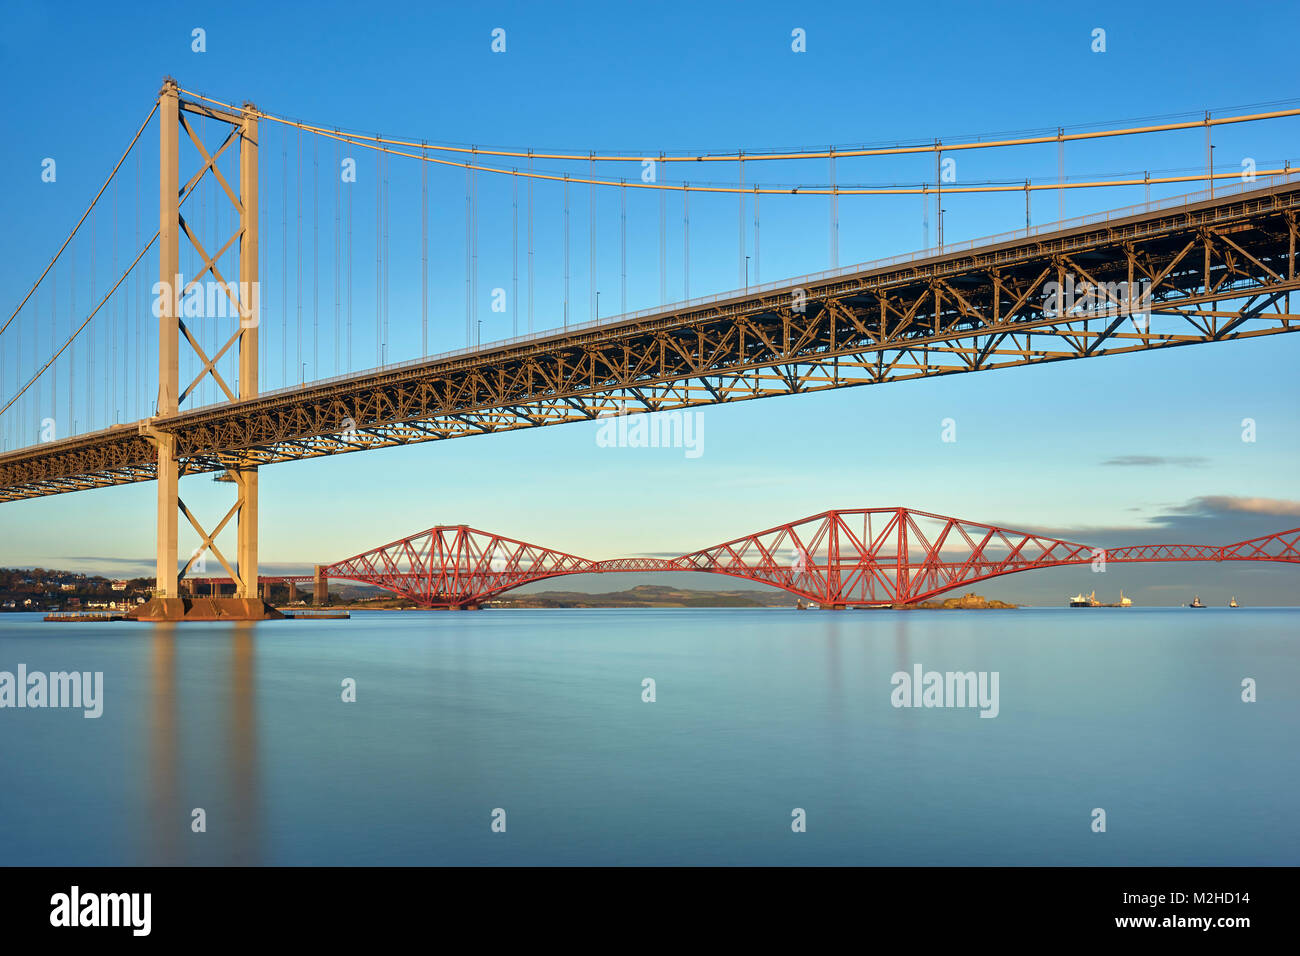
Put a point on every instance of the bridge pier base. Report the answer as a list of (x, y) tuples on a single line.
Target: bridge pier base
[(162, 610), (320, 587)]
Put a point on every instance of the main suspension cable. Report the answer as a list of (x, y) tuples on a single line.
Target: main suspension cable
[(937, 146), (384, 145), (125, 153)]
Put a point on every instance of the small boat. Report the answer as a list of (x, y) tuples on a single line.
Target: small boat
[(1233, 603), (1196, 602)]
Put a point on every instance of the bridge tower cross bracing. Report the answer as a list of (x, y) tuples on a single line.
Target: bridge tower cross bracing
[(244, 297)]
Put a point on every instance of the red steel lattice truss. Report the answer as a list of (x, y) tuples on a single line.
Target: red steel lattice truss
[(866, 557)]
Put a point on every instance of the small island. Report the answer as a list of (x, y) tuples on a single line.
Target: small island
[(967, 602)]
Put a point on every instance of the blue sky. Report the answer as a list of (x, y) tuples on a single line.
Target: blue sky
[(1129, 449)]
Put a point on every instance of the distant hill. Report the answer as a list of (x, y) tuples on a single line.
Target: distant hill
[(647, 595)]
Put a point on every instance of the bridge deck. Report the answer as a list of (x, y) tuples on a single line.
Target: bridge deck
[(1215, 270)]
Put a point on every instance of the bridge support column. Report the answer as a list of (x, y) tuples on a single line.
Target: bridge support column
[(168, 471), (293, 590), (321, 587), (250, 317)]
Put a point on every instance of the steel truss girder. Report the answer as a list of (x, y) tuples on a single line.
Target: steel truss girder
[(1220, 270)]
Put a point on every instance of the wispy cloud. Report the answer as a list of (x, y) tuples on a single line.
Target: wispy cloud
[(100, 559), (1151, 461), (1209, 519), (1217, 504)]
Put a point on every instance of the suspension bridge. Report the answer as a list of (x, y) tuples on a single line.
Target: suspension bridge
[(106, 384)]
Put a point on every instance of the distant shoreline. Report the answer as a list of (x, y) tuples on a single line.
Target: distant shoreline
[(654, 597)]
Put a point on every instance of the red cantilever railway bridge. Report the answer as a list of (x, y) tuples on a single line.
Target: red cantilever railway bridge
[(864, 557)]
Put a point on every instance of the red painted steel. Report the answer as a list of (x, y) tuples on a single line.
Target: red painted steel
[(457, 566), (866, 557)]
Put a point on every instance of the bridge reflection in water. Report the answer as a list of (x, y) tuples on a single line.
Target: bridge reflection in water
[(232, 818)]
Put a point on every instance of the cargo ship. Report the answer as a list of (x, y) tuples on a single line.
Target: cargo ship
[(1091, 601), (1196, 602)]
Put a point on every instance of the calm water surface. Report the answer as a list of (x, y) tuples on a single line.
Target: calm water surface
[(1137, 711)]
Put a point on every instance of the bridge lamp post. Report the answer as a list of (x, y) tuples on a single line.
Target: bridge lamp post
[(747, 275), (597, 305), (941, 212)]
